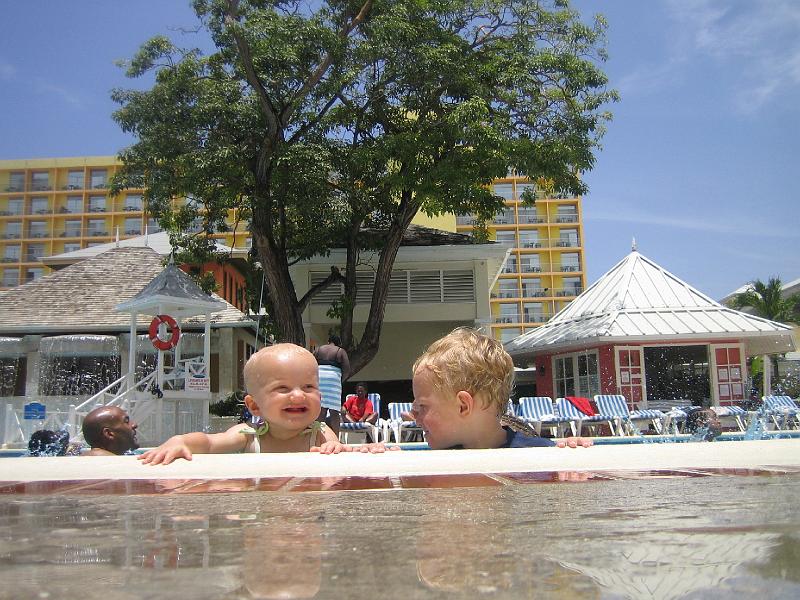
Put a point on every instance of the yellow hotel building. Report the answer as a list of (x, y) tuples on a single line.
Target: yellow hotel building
[(56, 205)]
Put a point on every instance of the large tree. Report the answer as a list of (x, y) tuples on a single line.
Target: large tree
[(332, 124)]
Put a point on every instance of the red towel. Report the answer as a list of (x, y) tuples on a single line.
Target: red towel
[(582, 404)]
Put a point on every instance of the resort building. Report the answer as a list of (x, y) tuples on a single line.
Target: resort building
[(56, 206), (641, 332), (545, 269)]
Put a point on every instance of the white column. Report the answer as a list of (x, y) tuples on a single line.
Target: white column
[(767, 365), (132, 352), (207, 347)]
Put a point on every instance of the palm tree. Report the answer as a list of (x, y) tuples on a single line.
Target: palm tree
[(766, 301)]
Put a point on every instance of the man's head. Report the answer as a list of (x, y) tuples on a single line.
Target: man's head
[(362, 390), (283, 386), (463, 378), (48, 443), (110, 428), (699, 418)]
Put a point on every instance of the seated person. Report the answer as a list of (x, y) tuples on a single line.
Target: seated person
[(462, 384), (48, 443), (358, 407), (284, 400), (109, 431)]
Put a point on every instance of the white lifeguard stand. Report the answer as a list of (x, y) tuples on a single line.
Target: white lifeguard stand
[(173, 293)]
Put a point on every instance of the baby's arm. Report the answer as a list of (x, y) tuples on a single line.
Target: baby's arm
[(183, 446)]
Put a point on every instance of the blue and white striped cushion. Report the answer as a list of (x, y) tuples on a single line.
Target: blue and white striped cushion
[(536, 408)]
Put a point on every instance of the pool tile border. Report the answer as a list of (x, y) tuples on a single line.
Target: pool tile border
[(342, 484)]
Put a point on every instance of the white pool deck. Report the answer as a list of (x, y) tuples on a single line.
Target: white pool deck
[(766, 454)]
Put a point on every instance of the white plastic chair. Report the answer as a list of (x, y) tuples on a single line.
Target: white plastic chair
[(371, 429), (396, 422)]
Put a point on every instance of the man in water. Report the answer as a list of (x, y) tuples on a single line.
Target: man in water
[(109, 431), (703, 424)]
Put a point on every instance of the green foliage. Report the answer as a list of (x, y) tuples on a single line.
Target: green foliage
[(767, 301), (333, 124), (230, 406)]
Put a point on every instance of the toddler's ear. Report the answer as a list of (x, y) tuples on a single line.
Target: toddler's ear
[(251, 405), (466, 403)]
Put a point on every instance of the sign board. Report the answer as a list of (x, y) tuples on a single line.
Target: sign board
[(34, 411), (197, 384)]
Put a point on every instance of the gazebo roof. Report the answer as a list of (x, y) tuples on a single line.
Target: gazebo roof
[(637, 300), (174, 292)]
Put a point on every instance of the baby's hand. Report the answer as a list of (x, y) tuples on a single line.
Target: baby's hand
[(574, 442), (165, 454), (330, 447), (375, 448)]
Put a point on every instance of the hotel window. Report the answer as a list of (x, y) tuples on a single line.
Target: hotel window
[(10, 277), (568, 238), (35, 251), (97, 204), (15, 206), (530, 264), (504, 217), (529, 239), (567, 214), (133, 202), (504, 190), (97, 227), (34, 274), (534, 312), (572, 285), (508, 288), (527, 215), (506, 238), (12, 253), (74, 204), (39, 206), (133, 226), (37, 229), (75, 180), (525, 187), (72, 228), (509, 313), (16, 182), (40, 181), (13, 230), (532, 288), (511, 264), (72, 246), (570, 262), (99, 178), (153, 226), (509, 333)]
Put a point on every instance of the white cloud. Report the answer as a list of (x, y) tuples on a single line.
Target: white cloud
[(7, 70), (717, 225), (64, 94), (756, 40), (760, 40)]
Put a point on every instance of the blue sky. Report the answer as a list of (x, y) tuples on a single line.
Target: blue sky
[(696, 164)]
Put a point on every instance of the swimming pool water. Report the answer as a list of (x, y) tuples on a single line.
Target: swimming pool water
[(617, 536)]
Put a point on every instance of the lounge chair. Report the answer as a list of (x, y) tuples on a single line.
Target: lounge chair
[(616, 407), (538, 411), (783, 411), (397, 424), (736, 413), (568, 414), (373, 430)]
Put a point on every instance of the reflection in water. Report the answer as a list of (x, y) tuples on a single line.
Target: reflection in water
[(283, 559), (633, 538)]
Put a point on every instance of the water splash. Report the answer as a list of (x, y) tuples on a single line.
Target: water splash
[(77, 365)]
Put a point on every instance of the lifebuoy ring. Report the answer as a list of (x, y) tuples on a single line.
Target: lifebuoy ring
[(174, 332)]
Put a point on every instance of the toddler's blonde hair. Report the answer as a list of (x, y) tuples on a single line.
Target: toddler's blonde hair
[(465, 360)]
